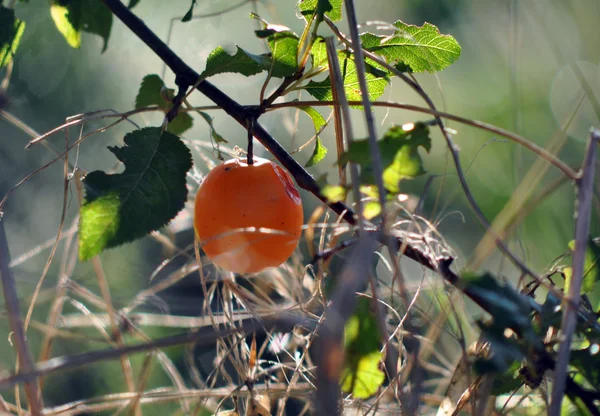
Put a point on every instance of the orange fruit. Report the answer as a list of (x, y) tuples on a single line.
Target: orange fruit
[(248, 217)]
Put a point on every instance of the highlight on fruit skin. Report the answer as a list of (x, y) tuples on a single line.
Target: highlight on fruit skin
[(248, 217)]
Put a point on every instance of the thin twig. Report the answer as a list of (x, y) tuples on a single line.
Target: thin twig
[(585, 190), (329, 355), (359, 61), (417, 88), (203, 337), (339, 95), (520, 140), (11, 298), (162, 395), (455, 157), (115, 330), (63, 216)]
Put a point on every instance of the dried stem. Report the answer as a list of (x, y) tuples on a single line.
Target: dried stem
[(13, 311), (204, 337), (329, 355), (339, 95), (359, 61), (585, 190), (115, 331)]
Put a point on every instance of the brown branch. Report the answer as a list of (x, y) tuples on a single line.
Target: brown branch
[(13, 310), (585, 189)]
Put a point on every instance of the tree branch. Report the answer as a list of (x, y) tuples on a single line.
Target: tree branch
[(240, 113)]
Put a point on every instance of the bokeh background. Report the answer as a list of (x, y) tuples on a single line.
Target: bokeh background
[(515, 71)]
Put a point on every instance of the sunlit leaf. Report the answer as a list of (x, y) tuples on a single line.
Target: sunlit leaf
[(333, 193), (242, 62), (399, 152), (371, 209), (418, 48), (376, 82), (318, 153), (150, 94), (319, 122), (123, 207), (283, 44), (74, 17), (318, 53), (284, 53), (11, 30), (361, 375), (364, 380), (330, 8)]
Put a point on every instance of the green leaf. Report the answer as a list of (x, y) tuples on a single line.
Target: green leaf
[(123, 207), (283, 44), (371, 209), (318, 153), (333, 193), (376, 81), (587, 361), (319, 123), (399, 152), (132, 3), (418, 48), (318, 53), (91, 16), (150, 94), (213, 133), (591, 267), (504, 352), (11, 30), (331, 8), (361, 375), (364, 380), (245, 63), (284, 54), (180, 124), (507, 381), (507, 307), (188, 15)]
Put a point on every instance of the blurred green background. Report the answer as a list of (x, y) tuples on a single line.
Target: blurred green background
[(515, 72)]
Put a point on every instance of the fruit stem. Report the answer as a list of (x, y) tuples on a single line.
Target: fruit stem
[(250, 154)]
